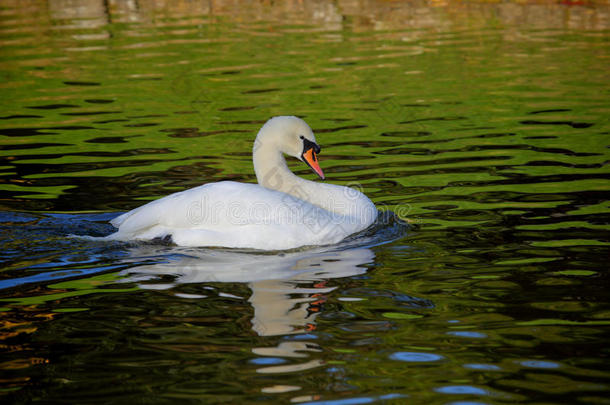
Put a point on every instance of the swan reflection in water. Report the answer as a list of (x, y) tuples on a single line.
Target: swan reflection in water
[(287, 288)]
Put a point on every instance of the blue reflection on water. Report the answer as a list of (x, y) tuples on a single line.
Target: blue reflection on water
[(539, 364), (468, 334), (55, 276), (357, 401), (461, 389), (302, 336), (415, 356), (267, 360), (486, 367)]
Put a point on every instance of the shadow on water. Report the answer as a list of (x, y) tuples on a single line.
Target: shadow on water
[(286, 290), (40, 242)]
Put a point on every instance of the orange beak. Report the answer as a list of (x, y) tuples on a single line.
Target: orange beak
[(309, 156)]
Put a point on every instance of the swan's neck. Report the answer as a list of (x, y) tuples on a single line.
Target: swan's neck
[(272, 172)]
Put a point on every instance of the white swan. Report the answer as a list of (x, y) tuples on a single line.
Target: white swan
[(282, 212)]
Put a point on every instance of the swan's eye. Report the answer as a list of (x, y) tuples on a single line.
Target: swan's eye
[(302, 137)]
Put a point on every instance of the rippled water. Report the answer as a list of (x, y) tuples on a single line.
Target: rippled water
[(483, 126)]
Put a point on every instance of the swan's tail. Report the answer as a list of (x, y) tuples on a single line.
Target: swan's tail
[(152, 233)]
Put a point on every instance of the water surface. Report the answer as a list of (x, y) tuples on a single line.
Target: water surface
[(483, 126)]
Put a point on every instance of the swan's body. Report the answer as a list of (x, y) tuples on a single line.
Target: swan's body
[(282, 212)]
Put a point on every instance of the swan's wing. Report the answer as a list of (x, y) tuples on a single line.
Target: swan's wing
[(219, 207), (234, 215), (186, 209)]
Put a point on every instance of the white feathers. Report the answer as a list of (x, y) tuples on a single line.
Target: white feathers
[(289, 212)]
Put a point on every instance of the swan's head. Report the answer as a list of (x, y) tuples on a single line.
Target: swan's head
[(291, 136)]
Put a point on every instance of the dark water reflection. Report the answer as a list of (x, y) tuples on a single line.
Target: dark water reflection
[(485, 126)]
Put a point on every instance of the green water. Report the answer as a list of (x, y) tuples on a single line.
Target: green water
[(484, 126)]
